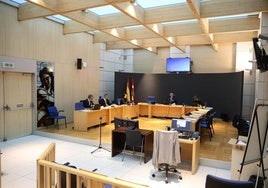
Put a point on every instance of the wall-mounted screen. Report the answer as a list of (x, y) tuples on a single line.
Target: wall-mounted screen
[(181, 64)]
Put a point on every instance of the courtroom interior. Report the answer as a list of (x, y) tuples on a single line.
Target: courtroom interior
[(133, 93)]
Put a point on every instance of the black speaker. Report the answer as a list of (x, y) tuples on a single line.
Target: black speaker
[(79, 63)]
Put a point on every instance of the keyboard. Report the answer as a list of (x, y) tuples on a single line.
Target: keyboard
[(184, 136)]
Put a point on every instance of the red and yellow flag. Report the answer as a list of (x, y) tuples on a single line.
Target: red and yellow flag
[(128, 91)]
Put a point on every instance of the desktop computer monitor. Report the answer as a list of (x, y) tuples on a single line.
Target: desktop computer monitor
[(133, 124), (151, 99), (119, 122), (181, 125)]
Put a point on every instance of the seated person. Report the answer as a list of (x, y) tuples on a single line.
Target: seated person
[(197, 101), (172, 98), (124, 100), (105, 100), (88, 103)]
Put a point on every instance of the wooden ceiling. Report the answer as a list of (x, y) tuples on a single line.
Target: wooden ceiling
[(194, 22)]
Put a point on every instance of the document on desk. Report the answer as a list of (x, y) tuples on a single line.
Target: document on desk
[(241, 143), (189, 118), (86, 110)]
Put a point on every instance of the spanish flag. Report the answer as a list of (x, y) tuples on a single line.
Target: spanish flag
[(128, 91)]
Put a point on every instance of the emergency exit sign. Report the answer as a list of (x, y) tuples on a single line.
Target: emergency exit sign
[(8, 65)]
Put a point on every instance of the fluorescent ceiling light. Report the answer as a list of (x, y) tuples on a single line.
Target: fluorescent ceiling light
[(233, 16), (180, 22), (134, 26)]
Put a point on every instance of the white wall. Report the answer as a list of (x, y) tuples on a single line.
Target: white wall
[(205, 59), (244, 54), (110, 62)]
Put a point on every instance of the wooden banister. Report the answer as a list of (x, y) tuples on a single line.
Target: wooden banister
[(49, 174)]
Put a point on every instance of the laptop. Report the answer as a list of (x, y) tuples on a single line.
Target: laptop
[(96, 107)]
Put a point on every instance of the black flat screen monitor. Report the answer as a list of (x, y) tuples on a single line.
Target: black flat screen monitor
[(181, 125), (119, 122), (128, 123), (133, 124), (151, 99)]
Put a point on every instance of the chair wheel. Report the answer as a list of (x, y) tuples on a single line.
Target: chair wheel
[(166, 181), (180, 178), (153, 175)]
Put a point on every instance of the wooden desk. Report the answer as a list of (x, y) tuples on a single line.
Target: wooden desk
[(162, 110), (119, 137), (190, 152), (83, 119)]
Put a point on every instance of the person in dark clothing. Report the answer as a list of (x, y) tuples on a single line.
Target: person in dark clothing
[(172, 98), (88, 103), (105, 100)]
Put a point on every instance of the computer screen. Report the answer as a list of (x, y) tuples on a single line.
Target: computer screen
[(151, 99), (133, 124), (119, 122), (181, 64), (128, 123), (181, 125)]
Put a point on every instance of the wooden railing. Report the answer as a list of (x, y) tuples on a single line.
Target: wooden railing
[(49, 174)]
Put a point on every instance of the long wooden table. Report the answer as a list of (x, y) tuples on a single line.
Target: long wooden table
[(83, 119), (119, 137), (162, 110)]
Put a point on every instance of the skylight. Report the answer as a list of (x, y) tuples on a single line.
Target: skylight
[(104, 10), (58, 18), (157, 3)]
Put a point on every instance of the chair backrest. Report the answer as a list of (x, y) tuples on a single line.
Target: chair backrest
[(52, 111), (217, 182), (166, 148), (133, 138), (206, 121), (79, 106)]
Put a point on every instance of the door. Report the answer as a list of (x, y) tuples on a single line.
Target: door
[(1, 108), (17, 104)]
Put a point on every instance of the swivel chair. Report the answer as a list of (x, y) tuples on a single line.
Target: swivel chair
[(217, 182), (54, 114), (134, 139), (166, 152)]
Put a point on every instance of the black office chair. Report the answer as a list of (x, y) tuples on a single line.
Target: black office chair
[(166, 153), (54, 114), (134, 139), (217, 182), (241, 125)]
